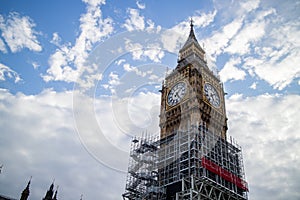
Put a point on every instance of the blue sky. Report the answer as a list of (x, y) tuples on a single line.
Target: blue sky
[(78, 79)]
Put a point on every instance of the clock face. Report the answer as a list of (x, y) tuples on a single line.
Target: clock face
[(176, 94), (211, 95)]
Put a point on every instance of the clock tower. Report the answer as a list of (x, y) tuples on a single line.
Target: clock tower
[(193, 157), (192, 94)]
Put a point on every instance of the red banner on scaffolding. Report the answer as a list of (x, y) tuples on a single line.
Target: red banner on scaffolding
[(213, 167)]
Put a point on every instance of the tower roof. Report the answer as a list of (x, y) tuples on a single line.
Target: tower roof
[(191, 39)]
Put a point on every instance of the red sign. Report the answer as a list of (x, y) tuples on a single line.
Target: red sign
[(213, 167)]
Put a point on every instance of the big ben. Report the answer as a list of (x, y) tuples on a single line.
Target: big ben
[(193, 157), (192, 94)]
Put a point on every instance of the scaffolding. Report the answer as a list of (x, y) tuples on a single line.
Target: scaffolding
[(142, 178), (191, 164)]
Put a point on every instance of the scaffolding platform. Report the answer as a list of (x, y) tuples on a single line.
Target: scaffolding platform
[(192, 164)]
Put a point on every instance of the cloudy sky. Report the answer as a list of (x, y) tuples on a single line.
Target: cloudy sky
[(79, 79)]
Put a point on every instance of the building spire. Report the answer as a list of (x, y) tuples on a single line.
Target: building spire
[(192, 34), (191, 46), (49, 193), (26, 192)]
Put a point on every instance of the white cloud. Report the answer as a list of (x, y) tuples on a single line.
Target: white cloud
[(267, 128), (143, 111), (56, 39), (175, 37), (18, 32), (136, 49), (152, 51), (2, 46), (276, 56), (135, 20), (153, 77), (130, 115), (8, 73), (267, 43), (140, 5), (129, 68), (277, 61), (35, 65), (114, 79), (56, 71), (67, 63), (253, 86), (94, 3), (231, 72), (247, 28), (250, 33), (279, 75), (218, 41), (203, 19), (119, 62), (249, 6), (151, 26), (51, 148)]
